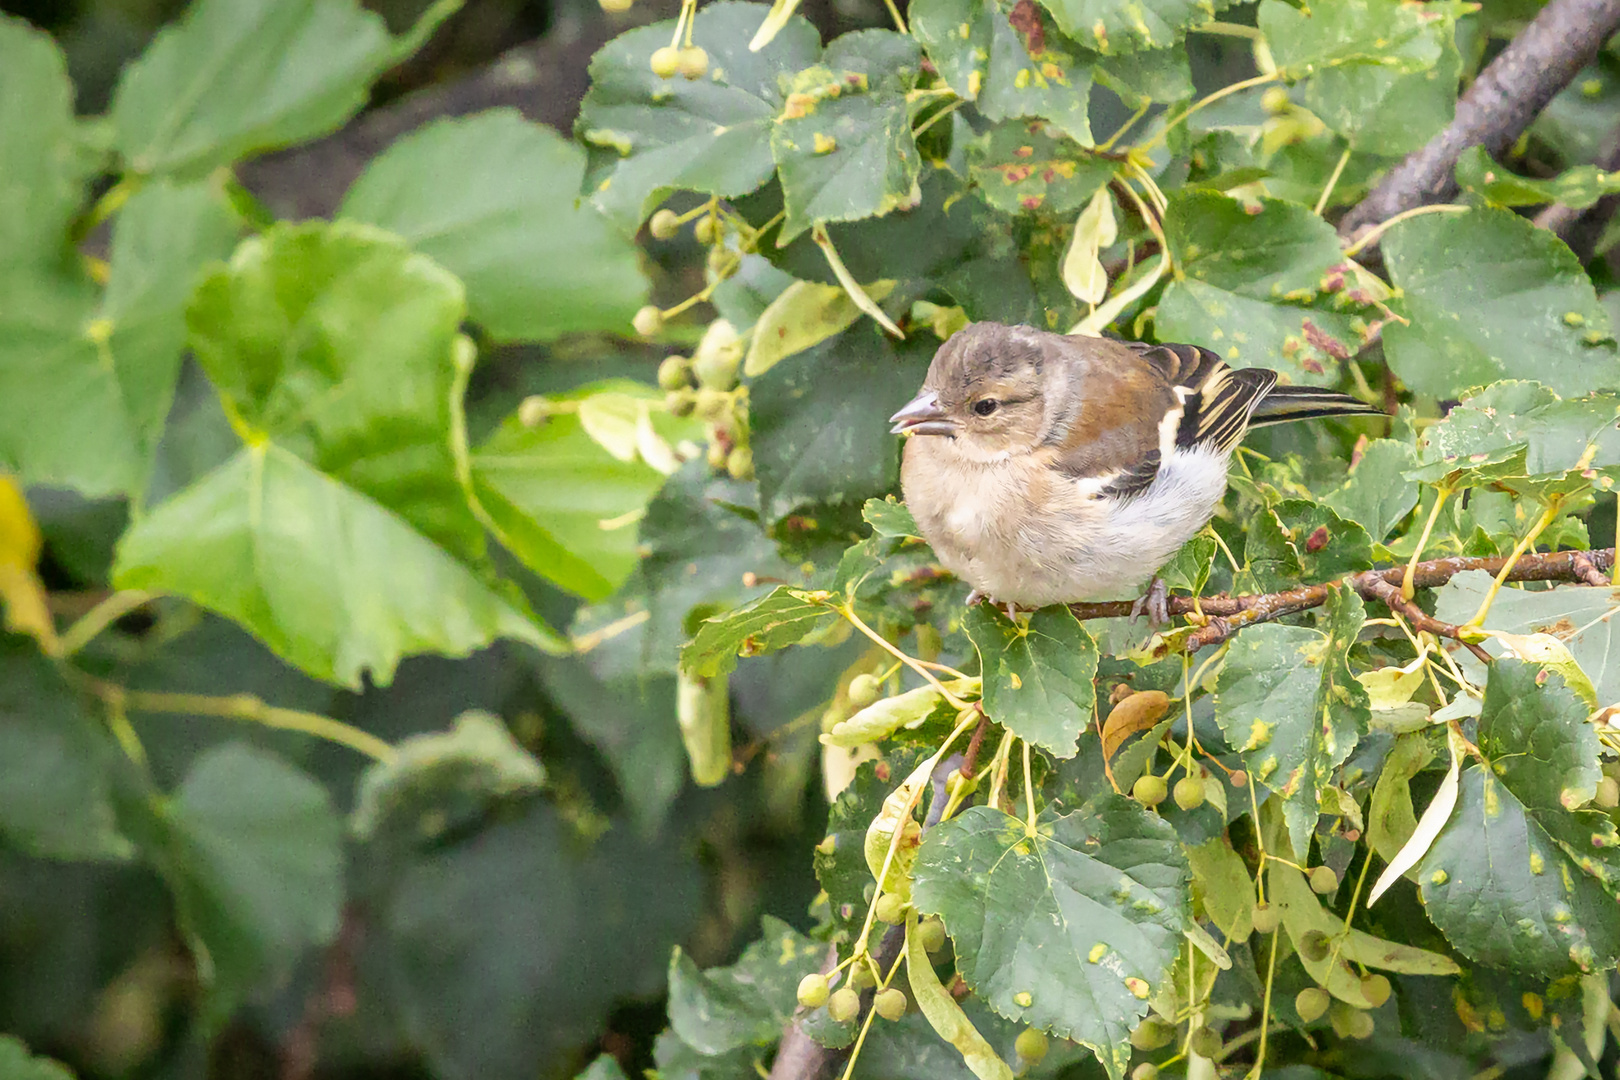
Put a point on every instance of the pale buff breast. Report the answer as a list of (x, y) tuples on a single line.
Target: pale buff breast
[(1029, 536)]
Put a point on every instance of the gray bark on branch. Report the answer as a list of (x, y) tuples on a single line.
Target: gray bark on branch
[(1497, 108)]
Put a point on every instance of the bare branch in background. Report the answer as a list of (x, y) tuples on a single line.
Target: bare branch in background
[(1498, 107)]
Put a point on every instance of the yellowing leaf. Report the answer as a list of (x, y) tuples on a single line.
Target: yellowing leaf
[(888, 715), (781, 11), (1095, 230), (804, 315), (945, 1015), (1428, 827), (1549, 652), (896, 813), (20, 587), (703, 710)]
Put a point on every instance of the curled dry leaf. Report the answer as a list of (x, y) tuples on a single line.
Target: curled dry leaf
[(1137, 712)]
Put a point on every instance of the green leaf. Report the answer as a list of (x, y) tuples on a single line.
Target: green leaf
[(438, 780), (237, 77), (1490, 296), (1389, 99), (1285, 698), (816, 444), (1188, 570), (491, 198), (1378, 493), (1021, 167), (1244, 280), (313, 568), (564, 503), (889, 519), (1007, 69), (1037, 679), (252, 848), (85, 380), (1147, 76), (749, 1002), (699, 548), (1308, 344), (1520, 434), (1518, 879), (649, 136), (41, 168), (340, 345), (782, 617), (1577, 188), (1068, 930), (1384, 33), (510, 947), (56, 766), (843, 143), (605, 1067), (1110, 26), (1222, 884), (1580, 616), (16, 1063), (630, 720), (1391, 819)]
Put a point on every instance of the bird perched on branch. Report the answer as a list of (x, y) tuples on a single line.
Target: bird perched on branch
[(1048, 469)]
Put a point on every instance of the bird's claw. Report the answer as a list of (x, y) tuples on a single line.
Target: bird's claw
[(978, 596), (1155, 603)]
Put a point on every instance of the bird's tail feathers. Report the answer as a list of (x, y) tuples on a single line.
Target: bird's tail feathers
[(1283, 404)]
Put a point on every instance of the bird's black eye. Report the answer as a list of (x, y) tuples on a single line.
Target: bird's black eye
[(986, 406)]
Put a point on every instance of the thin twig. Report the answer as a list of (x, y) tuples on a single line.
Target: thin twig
[(1229, 614)]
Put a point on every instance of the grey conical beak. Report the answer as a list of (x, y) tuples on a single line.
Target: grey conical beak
[(922, 415)]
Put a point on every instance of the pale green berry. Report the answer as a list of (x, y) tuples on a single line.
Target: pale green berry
[(932, 933), (1311, 1003), (664, 225), (864, 689), (844, 1004), (740, 463), (1150, 790), (891, 909), (674, 373), (1324, 880), (1375, 988), (813, 992), (1032, 1045), (1205, 1042), (648, 321), (1266, 917), (890, 1003), (693, 62), (666, 62), (1190, 792)]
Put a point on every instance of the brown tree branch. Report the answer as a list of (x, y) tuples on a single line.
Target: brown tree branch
[(1229, 614), (1497, 108)]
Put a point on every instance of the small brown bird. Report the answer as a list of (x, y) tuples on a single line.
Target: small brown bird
[(1048, 469)]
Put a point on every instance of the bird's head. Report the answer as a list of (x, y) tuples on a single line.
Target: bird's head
[(986, 389)]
